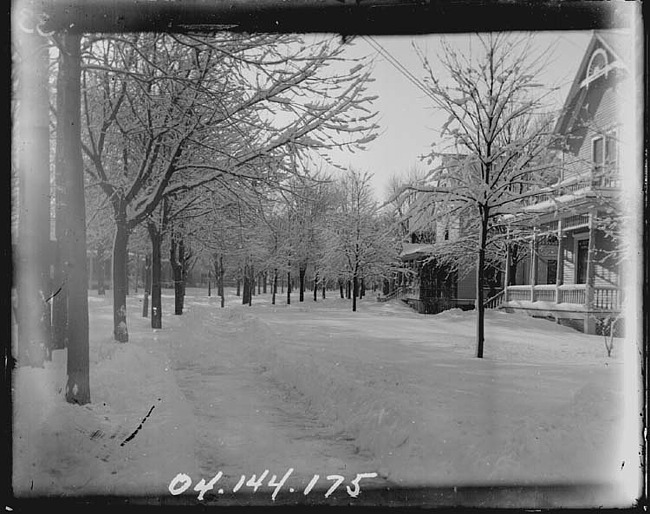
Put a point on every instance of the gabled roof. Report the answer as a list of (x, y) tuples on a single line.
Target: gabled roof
[(616, 44)]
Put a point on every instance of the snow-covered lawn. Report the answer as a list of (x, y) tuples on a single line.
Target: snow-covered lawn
[(384, 390)]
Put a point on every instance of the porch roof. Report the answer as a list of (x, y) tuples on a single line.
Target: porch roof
[(415, 250)]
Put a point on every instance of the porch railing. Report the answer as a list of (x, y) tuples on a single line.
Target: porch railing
[(574, 293), (597, 180), (607, 298), (399, 292), (603, 297), (495, 302)]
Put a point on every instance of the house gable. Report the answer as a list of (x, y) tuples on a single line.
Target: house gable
[(590, 116)]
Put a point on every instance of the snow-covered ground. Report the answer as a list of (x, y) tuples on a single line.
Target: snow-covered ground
[(314, 389)]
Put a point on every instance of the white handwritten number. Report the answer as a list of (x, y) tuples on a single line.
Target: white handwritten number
[(278, 485), (239, 484), (256, 484), (355, 492), (203, 488), (180, 484), (338, 480), (311, 484)]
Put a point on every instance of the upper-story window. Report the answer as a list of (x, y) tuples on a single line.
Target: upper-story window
[(597, 63), (604, 158), (598, 66)]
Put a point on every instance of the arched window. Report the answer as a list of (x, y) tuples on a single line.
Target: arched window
[(597, 65)]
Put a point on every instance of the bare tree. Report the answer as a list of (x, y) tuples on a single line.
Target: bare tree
[(499, 137), (357, 245), (74, 241), (165, 114)]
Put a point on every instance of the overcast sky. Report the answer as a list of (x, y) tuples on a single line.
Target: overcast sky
[(407, 117)]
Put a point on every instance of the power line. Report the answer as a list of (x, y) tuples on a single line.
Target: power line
[(400, 67)]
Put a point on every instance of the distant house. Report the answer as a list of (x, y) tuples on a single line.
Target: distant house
[(572, 274), (431, 283)]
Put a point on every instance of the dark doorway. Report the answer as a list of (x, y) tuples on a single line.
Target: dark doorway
[(581, 261), (551, 271)]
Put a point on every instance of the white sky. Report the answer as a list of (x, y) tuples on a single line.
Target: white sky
[(406, 115)]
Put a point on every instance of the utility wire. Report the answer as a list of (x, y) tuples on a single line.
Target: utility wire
[(400, 67)]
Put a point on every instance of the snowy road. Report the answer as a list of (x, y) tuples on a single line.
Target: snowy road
[(248, 425), (306, 398), (319, 390)]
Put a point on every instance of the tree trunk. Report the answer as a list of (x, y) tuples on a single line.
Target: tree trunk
[(251, 283), (266, 278), (341, 289), (128, 272), (175, 260), (355, 292), (221, 276), (362, 291), (275, 285), (69, 120), (480, 274), (147, 285), (316, 286), (238, 287), (288, 288), (301, 276), (246, 286), (156, 274), (120, 279), (101, 258), (209, 286)]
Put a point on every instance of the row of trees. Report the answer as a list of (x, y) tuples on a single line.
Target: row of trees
[(320, 230), (167, 142)]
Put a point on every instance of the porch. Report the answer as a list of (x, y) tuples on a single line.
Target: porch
[(567, 275), (571, 297)]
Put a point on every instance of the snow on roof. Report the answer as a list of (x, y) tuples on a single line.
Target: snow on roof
[(411, 250)]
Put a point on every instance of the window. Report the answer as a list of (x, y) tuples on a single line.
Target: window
[(597, 155), (604, 158), (598, 66), (610, 150), (597, 63)]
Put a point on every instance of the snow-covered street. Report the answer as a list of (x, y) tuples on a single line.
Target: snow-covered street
[(299, 394)]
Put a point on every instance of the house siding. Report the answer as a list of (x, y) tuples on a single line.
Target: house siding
[(599, 115)]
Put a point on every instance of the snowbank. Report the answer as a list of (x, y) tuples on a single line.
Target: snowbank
[(544, 406), (66, 450)]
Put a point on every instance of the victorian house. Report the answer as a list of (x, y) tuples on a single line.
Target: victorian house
[(570, 269), (572, 273)]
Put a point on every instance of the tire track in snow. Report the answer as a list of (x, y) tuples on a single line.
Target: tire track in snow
[(246, 423)]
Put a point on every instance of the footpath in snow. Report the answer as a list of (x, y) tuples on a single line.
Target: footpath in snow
[(313, 390)]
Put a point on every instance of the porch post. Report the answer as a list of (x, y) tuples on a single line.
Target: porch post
[(506, 279), (533, 266), (590, 322), (559, 273)]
